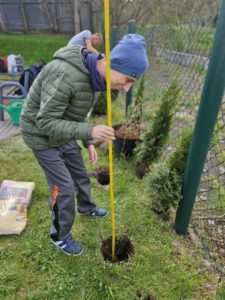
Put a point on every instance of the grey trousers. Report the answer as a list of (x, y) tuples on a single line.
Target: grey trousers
[(67, 177)]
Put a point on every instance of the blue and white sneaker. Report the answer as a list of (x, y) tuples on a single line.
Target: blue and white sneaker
[(98, 212), (69, 246)]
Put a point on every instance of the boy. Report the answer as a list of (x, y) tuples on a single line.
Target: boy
[(54, 117), (87, 39)]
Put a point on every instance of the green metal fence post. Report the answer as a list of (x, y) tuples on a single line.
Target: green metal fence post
[(113, 37), (131, 29), (207, 115)]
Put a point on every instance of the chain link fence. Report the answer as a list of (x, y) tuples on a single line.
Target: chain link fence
[(182, 51), (209, 213)]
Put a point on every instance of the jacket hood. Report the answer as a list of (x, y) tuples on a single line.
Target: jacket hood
[(73, 55)]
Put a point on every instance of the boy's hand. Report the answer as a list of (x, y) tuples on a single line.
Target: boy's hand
[(103, 132), (93, 156), (88, 45), (90, 48)]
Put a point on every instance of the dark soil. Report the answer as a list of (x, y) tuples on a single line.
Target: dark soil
[(124, 249), (147, 297), (102, 175), (140, 169)]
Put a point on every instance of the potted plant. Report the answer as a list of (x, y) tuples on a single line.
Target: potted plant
[(128, 134)]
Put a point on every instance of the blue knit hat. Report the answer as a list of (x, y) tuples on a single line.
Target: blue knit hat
[(129, 56)]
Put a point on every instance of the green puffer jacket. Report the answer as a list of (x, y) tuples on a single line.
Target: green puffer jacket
[(58, 102)]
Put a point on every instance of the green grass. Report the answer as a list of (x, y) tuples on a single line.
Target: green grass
[(32, 46)]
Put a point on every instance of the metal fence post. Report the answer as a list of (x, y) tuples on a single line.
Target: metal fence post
[(113, 37), (211, 99), (131, 29)]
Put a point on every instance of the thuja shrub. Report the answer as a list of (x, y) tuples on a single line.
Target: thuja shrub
[(137, 112), (138, 101), (166, 180), (156, 137), (177, 160), (131, 128), (165, 187), (140, 92), (100, 106)]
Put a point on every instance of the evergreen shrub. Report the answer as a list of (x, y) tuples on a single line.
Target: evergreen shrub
[(166, 180), (156, 137)]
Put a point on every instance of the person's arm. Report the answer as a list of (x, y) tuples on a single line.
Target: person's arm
[(90, 47), (87, 38), (80, 38)]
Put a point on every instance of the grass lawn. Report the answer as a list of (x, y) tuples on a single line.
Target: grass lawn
[(165, 265), (32, 46)]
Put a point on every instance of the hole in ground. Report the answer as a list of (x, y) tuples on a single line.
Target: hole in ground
[(147, 297), (103, 176), (124, 249)]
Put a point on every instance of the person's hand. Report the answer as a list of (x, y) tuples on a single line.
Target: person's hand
[(89, 45), (93, 156), (103, 132)]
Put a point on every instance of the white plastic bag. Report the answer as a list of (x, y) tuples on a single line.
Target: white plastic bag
[(15, 197), (15, 63)]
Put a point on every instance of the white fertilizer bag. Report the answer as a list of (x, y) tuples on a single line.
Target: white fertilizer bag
[(15, 197)]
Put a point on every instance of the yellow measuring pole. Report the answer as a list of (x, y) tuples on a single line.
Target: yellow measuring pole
[(109, 114)]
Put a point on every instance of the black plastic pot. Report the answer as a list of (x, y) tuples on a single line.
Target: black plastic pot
[(124, 146)]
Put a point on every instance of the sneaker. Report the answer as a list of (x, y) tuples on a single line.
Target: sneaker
[(98, 212), (69, 246)]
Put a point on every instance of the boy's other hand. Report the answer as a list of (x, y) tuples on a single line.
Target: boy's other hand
[(93, 157)]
